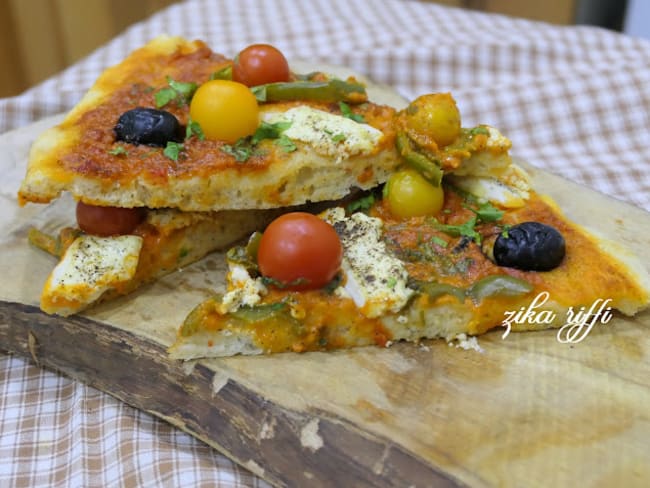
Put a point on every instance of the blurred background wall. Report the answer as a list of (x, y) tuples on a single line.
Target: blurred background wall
[(39, 38)]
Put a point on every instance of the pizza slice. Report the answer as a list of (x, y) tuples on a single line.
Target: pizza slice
[(454, 240), (169, 159)]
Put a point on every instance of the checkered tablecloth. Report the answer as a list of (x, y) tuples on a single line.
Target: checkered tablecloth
[(574, 101)]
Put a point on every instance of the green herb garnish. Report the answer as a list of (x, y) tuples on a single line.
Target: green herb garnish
[(119, 151), (466, 229), (260, 93), (487, 213), (173, 150), (177, 90), (439, 241), (223, 74), (363, 203), (285, 143), (244, 148), (241, 150), (479, 130), (194, 129), (270, 131), (347, 112), (268, 281)]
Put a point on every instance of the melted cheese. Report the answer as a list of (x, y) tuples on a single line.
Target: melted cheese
[(374, 279), (242, 289), (90, 266), (328, 134)]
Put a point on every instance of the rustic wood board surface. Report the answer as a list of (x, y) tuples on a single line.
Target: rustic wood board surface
[(527, 411)]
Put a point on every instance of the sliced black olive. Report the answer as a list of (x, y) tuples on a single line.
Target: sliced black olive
[(529, 246), (148, 126)]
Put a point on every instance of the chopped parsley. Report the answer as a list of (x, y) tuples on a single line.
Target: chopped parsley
[(194, 129), (466, 229), (173, 150), (259, 92), (391, 282), (241, 150), (439, 241), (285, 143), (244, 148), (479, 130), (270, 131), (268, 281), (178, 91), (224, 73), (347, 112), (486, 212), (119, 151), (363, 203)]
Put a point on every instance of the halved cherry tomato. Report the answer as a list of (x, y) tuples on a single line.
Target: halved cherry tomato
[(108, 221), (225, 110), (300, 251), (259, 64)]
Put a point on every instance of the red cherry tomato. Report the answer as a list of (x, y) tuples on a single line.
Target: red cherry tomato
[(259, 64), (300, 251), (108, 221)]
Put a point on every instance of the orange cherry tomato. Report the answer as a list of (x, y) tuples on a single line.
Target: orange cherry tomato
[(259, 64), (108, 221), (300, 251)]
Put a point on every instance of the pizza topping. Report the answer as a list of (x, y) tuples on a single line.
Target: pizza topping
[(433, 121), (225, 110), (108, 221), (320, 130), (429, 168), (488, 287), (374, 279), (243, 289), (498, 286), (90, 266), (530, 246), (179, 91), (148, 126), (259, 64), (299, 251), (330, 90), (409, 194)]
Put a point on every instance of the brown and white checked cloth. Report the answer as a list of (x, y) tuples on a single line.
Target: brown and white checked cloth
[(574, 100)]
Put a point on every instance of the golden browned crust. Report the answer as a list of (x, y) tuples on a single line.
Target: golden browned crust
[(75, 155)]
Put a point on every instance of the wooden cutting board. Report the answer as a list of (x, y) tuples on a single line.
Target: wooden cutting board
[(527, 411)]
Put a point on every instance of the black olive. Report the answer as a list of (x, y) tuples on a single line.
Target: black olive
[(529, 246), (148, 126)]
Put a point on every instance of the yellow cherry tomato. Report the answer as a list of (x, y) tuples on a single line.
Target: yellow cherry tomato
[(410, 195), (225, 110), (434, 116)]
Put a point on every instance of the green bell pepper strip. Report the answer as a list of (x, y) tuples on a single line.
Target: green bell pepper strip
[(257, 313), (428, 168), (499, 285), (434, 290), (333, 90)]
